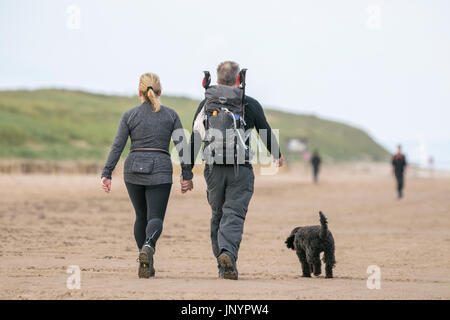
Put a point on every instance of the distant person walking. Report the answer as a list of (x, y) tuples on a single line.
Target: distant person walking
[(399, 167), (315, 162), (306, 157), (148, 168), (431, 166)]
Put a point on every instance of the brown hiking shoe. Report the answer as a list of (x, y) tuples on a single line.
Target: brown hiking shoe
[(146, 269), (229, 269)]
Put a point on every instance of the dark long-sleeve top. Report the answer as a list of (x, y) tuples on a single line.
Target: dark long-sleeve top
[(148, 129), (254, 118), (399, 163), (315, 161)]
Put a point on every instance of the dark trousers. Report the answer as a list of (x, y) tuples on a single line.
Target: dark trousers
[(316, 173), (229, 196), (150, 203), (400, 184)]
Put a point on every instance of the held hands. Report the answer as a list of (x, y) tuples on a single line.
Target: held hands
[(279, 162), (186, 185), (106, 184)]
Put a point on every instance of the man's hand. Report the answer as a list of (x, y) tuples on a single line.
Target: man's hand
[(186, 185), (106, 184), (279, 162)]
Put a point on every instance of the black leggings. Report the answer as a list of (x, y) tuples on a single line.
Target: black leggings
[(150, 203)]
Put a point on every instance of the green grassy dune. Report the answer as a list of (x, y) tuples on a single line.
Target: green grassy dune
[(65, 124)]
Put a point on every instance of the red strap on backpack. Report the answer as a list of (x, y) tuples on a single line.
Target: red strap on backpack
[(206, 79), (240, 80)]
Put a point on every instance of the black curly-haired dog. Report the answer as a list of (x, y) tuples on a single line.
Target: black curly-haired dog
[(309, 242)]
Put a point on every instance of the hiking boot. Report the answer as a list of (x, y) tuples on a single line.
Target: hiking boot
[(221, 272), (228, 266), (146, 269)]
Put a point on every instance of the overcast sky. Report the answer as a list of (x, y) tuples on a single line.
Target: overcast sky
[(383, 66)]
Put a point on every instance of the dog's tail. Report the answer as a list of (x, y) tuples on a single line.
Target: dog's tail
[(290, 240), (324, 226)]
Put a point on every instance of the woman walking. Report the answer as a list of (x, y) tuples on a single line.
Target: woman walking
[(148, 168)]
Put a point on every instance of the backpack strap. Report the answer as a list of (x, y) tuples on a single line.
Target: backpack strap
[(206, 79)]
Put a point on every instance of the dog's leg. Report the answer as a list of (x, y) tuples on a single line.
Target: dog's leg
[(305, 265), (328, 271), (330, 261), (313, 258), (317, 267)]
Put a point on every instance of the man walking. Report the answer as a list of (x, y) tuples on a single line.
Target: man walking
[(399, 167), (230, 188)]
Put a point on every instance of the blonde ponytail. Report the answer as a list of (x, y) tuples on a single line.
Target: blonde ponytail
[(150, 89), (153, 100)]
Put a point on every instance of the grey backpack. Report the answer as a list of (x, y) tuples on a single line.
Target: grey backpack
[(224, 109)]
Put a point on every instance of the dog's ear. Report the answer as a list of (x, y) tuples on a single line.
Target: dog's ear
[(290, 242)]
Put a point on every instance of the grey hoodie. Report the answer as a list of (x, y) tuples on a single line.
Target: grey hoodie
[(148, 129)]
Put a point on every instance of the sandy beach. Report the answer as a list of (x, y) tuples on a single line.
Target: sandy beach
[(50, 222)]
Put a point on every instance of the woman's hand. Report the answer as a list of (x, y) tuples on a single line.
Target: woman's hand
[(279, 162), (186, 185), (106, 184)]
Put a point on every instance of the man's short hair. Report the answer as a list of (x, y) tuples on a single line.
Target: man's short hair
[(227, 73)]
